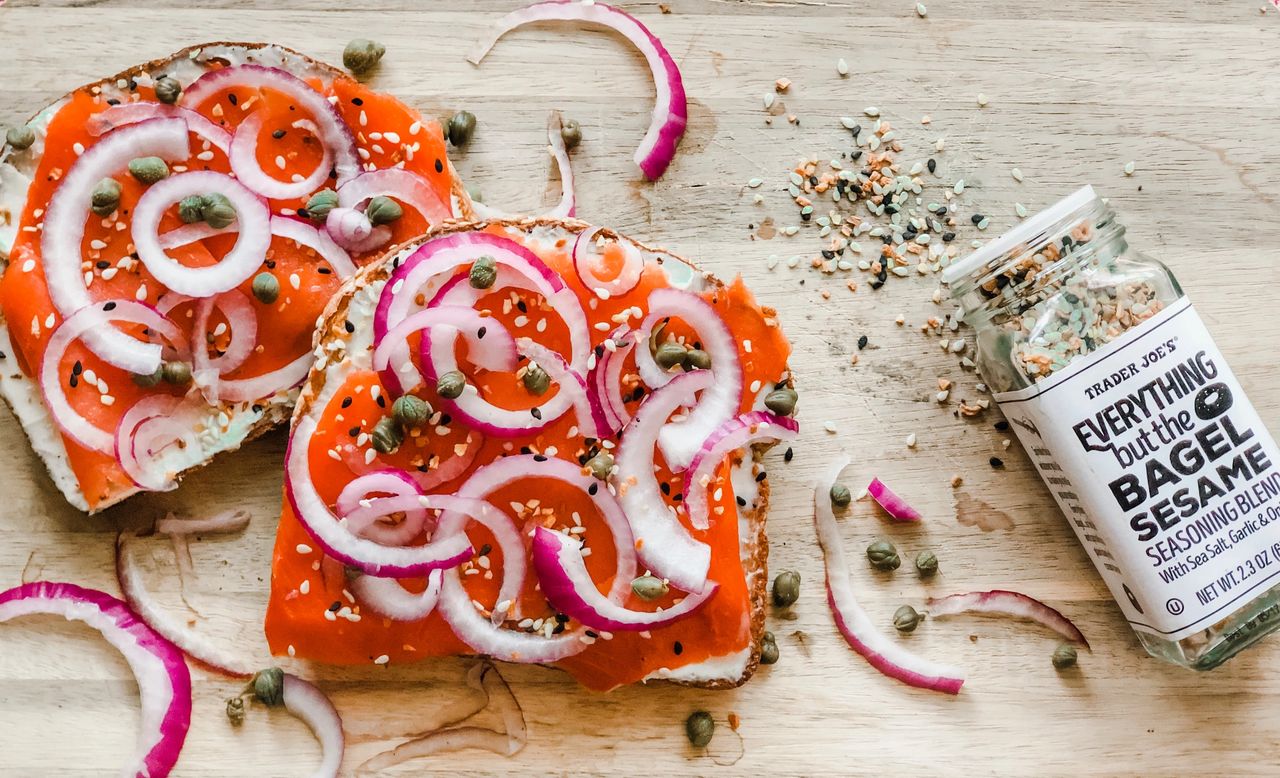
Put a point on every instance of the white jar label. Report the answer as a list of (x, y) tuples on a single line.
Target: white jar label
[(1164, 469)]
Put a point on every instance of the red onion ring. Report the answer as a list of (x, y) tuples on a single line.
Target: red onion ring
[(132, 113), (333, 131), (147, 428), (895, 506), (80, 324), (604, 380), (489, 344), (624, 282), (888, 656), (243, 390), (1006, 603), (749, 428), (242, 321), (243, 156), (62, 239), (387, 598), (190, 233), (592, 421), (670, 110), (164, 682), (664, 545), (406, 186), (310, 705), (229, 272), (318, 241), (567, 585), (361, 511)]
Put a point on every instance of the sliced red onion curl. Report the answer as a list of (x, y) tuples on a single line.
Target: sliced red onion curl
[(387, 598), (318, 241), (897, 508), (252, 242), (449, 468), (440, 742), (362, 512), (665, 547), (132, 113), (243, 390), (242, 323), (489, 343), (164, 682), (145, 430), (244, 162), (190, 233), (353, 231), (1006, 603), (744, 430), (308, 704), (192, 643), (592, 422), (604, 380), (670, 111), (406, 186), (884, 654), (567, 585), (584, 265)]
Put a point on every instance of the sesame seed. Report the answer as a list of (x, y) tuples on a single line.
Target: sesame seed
[(303, 548), (295, 281), (305, 586), (382, 660), (1017, 175), (921, 11), (1129, 167)]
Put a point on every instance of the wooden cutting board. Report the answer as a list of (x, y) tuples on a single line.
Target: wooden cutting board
[(1075, 89)]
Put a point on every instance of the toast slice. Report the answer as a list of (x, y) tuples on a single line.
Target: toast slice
[(313, 613), (92, 477)]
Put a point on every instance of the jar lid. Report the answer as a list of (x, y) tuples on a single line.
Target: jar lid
[(1025, 231)]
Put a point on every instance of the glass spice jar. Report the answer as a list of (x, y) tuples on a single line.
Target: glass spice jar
[(1136, 424)]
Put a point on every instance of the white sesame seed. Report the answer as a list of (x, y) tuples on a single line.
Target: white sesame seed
[(107, 399), (982, 100), (97, 245), (28, 266), (305, 586), (415, 128), (1129, 167), (303, 548), (205, 156), (871, 111), (292, 650), (295, 281), (842, 67), (911, 440), (1017, 175), (382, 660), (921, 10), (280, 163), (364, 119), (369, 456)]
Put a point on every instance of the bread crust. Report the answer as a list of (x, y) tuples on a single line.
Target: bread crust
[(275, 412), (332, 328)]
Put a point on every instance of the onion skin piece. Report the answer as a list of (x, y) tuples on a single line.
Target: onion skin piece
[(883, 653), (306, 702), (1007, 603), (895, 506)]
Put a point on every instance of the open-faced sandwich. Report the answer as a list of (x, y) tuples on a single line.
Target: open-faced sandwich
[(539, 441), (172, 235)]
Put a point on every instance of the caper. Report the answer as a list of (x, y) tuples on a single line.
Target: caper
[(360, 56), (906, 619), (383, 210), (410, 411), (657, 337), (168, 90), (386, 436), (462, 125), (484, 271), (601, 465), (782, 401), (786, 588), (926, 563), (218, 211), (20, 138), (648, 588), (697, 359), (105, 198), (840, 496), (148, 379), (235, 711), (768, 649), (571, 134), (699, 728), (1064, 656), (148, 170), (536, 380), (883, 555), (669, 355), (320, 203), (176, 373), (191, 209), (268, 686), (451, 384), (266, 287)]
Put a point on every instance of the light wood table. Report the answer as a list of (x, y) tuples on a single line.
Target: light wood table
[(1076, 89)]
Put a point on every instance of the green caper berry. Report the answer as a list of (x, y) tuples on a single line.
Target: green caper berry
[(484, 272), (383, 210), (883, 555), (20, 138), (571, 134), (235, 711), (360, 56), (268, 686), (410, 411), (451, 384), (386, 436), (462, 125), (926, 563), (906, 619), (148, 379), (191, 209), (699, 728), (786, 588), (536, 380), (768, 649), (697, 359), (320, 203), (218, 211), (648, 588), (266, 288), (148, 170), (1064, 656), (669, 355), (176, 373), (840, 496), (656, 338), (782, 401), (601, 465), (168, 90), (105, 198)]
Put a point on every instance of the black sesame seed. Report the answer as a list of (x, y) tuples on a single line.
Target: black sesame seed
[(346, 402), (539, 458), (862, 342), (382, 401), (787, 457), (526, 450), (485, 549), (1002, 425), (761, 476), (947, 237), (439, 166), (303, 213), (592, 489), (524, 308), (335, 607), (348, 326), (679, 649), (354, 432), (77, 368), (357, 101), (677, 497), (592, 633), (480, 332), (231, 98), (932, 164), (112, 101), (445, 418), (741, 502), (324, 271), (537, 414), (75, 381), (103, 264), (977, 217), (271, 264), (666, 488), (996, 462), (278, 134), (111, 306)]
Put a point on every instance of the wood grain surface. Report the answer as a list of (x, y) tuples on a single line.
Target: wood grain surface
[(1076, 89)]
